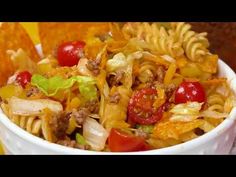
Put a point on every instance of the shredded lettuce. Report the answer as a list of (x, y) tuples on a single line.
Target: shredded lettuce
[(186, 112), (189, 108), (80, 139), (51, 86), (94, 134)]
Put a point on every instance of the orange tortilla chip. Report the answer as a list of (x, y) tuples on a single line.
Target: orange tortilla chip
[(165, 130), (12, 37), (53, 33)]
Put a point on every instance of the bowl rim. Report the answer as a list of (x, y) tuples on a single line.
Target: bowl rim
[(191, 144)]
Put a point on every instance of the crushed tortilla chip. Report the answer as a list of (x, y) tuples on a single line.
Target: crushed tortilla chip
[(92, 48), (13, 37), (114, 46), (168, 129), (209, 64), (116, 32), (53, 33)]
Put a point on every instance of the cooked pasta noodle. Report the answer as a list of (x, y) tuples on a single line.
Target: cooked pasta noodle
[(147, 71), (31, 124), (216, 102), (194, 44), (36, 125), (158, 38), (115, 114)]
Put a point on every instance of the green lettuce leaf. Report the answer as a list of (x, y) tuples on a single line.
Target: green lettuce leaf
[(51, 86), (80, 139)]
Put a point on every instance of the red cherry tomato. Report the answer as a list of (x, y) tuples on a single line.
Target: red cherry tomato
[(69, 53), (119, 141), (23, 78), (140, 108), (190, 91)]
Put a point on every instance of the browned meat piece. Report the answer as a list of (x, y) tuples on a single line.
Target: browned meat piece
[(72, 143), (93, 66), (169, 90), (32, 91), (136, 82), (80, 115), (160, 74), (198, 131), (59, 125), (67, 142), (115, 80), (92, 106)]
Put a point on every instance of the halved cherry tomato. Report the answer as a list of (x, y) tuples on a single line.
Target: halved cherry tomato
[(69, 53), (190, 91), (140, 108), (23, 78), (119, 141)]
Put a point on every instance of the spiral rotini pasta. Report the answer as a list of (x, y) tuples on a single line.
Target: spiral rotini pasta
[(115, 114), (36, 125), (147, 71), (31, 124), (216, 102), (194, 44), (174, 42), (158, 38)]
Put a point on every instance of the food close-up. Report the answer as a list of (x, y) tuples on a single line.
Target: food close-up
[(108, 88)]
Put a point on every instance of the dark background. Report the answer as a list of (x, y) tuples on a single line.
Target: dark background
[(222, 38)]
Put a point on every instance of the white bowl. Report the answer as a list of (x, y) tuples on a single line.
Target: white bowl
[(217, 141)]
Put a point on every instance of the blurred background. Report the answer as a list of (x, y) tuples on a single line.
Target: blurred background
[(222, 37)]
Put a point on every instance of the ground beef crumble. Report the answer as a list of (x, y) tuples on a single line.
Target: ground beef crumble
[(72, 143), (93, 66), (32, 91), (80, 115), (169, 91), (115, 80), (59, 124), (160, 73)]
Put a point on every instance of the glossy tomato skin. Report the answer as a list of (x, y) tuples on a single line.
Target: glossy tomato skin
[(190, 91), (23, 78), (119, 141), (141, 110), (68, 53)]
